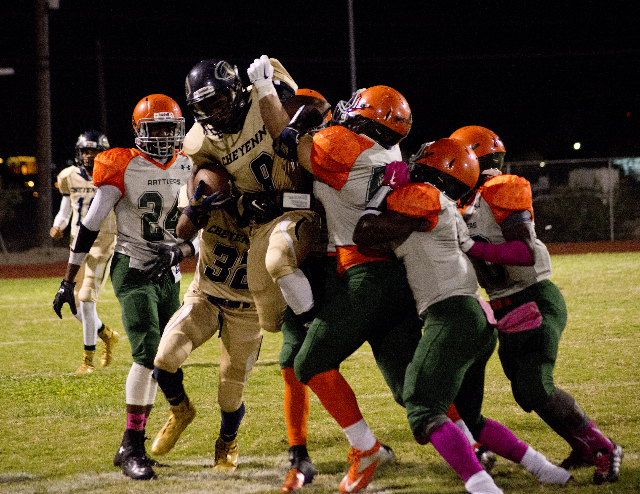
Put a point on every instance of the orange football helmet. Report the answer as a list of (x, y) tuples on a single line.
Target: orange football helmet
[(448, 165), (379, 112), (158, 126), (485, 143)]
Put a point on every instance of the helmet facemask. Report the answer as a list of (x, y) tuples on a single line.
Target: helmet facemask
[(161, 136), (88, 146), (216, 97)]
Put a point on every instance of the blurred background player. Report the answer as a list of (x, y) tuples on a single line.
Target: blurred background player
[(141, 185), (458, 340), (348, 159), (76, 186), (217, 301), (514, 267)]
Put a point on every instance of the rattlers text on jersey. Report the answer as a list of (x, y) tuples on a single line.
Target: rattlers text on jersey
[(252, 144), (148, 210), (494, 202), (74, 182), (436, 267), (349, 168)]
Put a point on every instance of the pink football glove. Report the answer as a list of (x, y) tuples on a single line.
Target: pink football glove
[(396, 174)]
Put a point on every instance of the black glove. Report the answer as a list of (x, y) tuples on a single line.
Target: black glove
[(65, 294), (260, 206), (201, 203), (306, 118), (167, 256)]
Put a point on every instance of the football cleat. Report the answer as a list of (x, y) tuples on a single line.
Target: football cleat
[(180, 416), (486, 458), (86, 367), (226, 455), (363, 465), (302, 470), (132, 457), (576, 460), (608, 465), (137, 468), (109, 339)]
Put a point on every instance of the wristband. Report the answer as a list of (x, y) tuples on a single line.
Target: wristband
[(265, 89)]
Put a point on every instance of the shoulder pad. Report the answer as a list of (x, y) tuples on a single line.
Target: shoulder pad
[(506, 194), (416, 200), (281, 74), (194, 139), (335, 150), (110, 166)]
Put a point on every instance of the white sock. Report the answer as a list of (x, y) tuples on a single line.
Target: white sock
[(138, 382), (546, 472), (463, 427), (360, 436), (296, 291), (151, 394), (482, 483), (89, 321)]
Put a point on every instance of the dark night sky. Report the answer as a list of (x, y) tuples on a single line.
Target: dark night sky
[(540, 77)]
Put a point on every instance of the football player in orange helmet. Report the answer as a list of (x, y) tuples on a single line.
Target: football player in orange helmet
[(145, 269), (420, 222), (514, 267), (374, 302), (76, 186)]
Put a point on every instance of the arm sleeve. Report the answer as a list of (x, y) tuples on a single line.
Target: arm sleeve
[(62, 218), (106, 198)]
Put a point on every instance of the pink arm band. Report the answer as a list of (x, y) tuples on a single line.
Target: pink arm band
[(513, 253)]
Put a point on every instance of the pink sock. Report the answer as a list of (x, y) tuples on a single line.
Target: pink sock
[(594, 438), (454, 447), (135, 421), (499, 439)]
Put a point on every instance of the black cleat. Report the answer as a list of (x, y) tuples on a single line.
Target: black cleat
[(137, 468), (608, 465), (486, 458), (576, 460)]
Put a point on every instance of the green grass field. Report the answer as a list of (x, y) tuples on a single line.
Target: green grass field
[(59, 432)]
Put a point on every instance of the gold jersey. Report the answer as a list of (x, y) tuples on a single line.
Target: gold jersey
[(74, 182)]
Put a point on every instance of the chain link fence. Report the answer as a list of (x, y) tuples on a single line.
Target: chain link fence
[(586, 200)]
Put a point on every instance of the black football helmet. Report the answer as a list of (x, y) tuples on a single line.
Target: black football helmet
[(88, 146), (216, 97)]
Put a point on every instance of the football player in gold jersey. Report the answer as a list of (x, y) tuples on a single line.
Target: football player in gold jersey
[(217, 301), (235, 127), (76, 186)]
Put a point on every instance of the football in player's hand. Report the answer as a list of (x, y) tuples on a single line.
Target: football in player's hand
[(215, 178)]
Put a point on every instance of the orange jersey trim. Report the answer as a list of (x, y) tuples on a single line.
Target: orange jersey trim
[(350, 255), (335, 150), (507, 194), (417, 200), (110, 166)]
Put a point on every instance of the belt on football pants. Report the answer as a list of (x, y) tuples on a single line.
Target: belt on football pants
[(230, 304)]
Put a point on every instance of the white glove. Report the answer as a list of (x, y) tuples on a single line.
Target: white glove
[(260, 74), (464, 239)]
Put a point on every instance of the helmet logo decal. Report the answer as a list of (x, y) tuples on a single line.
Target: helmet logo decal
[(224, 71), (163, 115)]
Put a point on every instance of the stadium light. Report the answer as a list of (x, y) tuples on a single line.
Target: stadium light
[(576, 145)]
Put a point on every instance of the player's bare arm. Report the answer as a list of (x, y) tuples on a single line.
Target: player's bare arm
[(373, 230)]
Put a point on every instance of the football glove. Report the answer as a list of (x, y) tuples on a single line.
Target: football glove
[(396, 174), (306, 118), (204, 204), (65, 294), (260, 74), (260, 206), (167, 256)]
